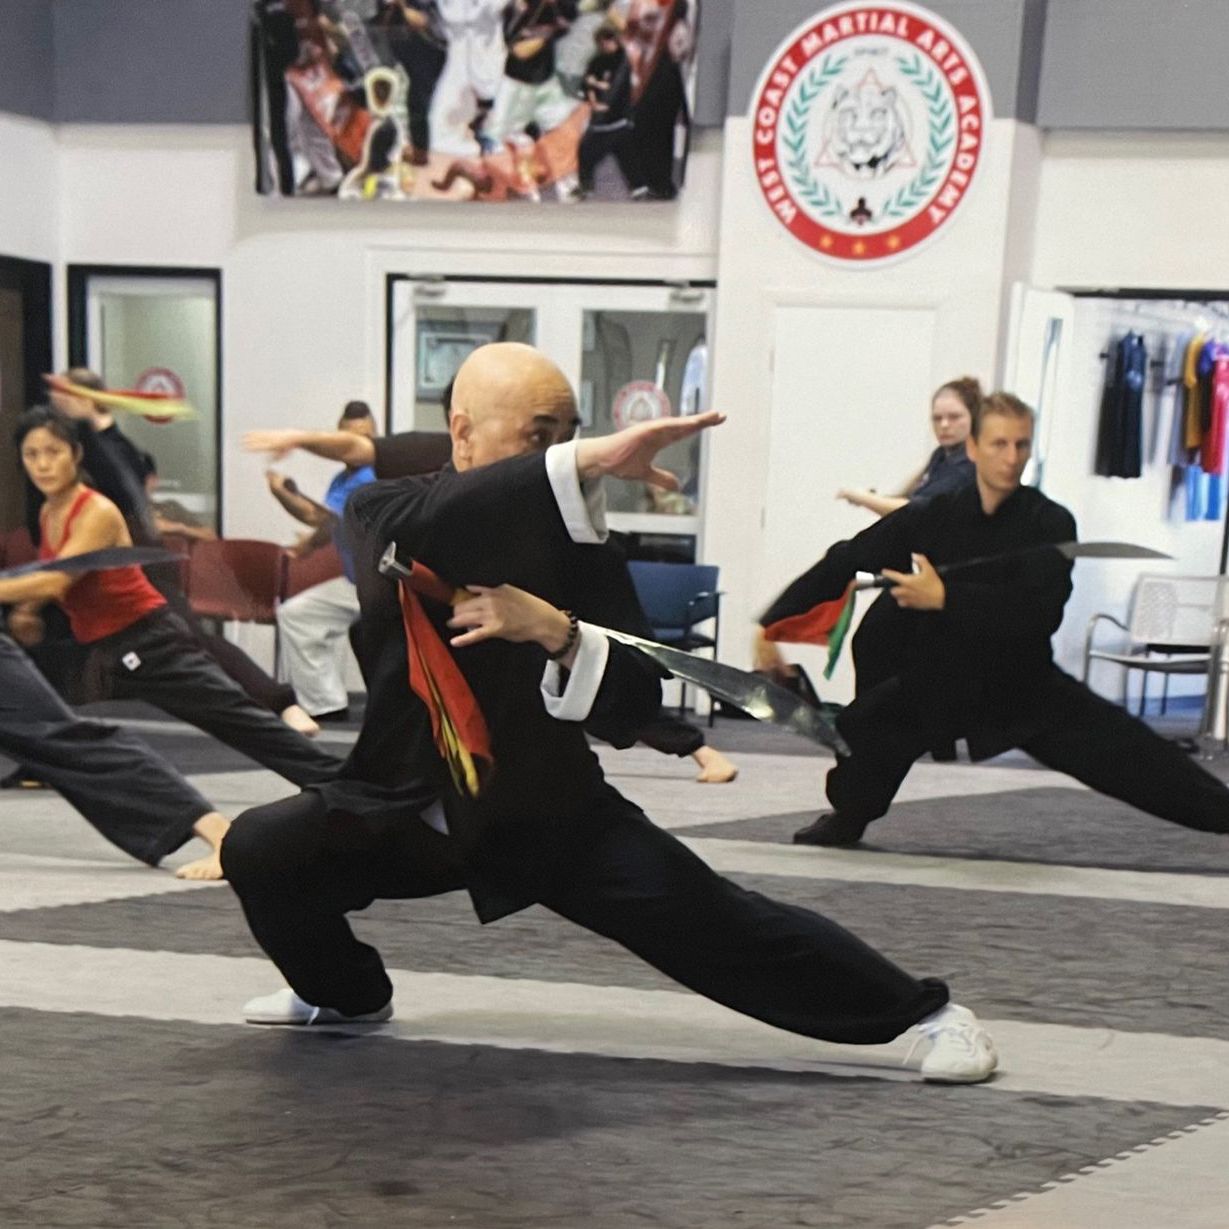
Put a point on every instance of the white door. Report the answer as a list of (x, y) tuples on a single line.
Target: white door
[(828, 400), (1037, 363)]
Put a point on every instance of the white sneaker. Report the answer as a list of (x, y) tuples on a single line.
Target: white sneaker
[(285, 1007), (960, 1050)]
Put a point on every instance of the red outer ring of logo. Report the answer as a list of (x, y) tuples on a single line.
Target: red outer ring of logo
[(167, 374), (887, 244)]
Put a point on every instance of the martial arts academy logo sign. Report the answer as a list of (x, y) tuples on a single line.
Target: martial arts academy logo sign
[(869, 127)]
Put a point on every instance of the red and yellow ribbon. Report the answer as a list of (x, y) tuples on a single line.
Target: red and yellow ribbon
[(157, 407)]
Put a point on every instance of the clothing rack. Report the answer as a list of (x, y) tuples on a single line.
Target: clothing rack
[(1192, 309)]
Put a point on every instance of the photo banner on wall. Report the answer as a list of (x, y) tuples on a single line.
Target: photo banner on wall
[(869, 129), (458, 100)]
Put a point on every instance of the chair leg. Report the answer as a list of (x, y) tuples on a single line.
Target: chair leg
[(1164, 694), (1143, 692), (682, 700)]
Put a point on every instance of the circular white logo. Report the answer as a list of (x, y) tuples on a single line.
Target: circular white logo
[(639, 401), (869, 127)]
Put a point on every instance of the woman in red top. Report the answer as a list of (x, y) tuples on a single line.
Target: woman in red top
[(140, 649)]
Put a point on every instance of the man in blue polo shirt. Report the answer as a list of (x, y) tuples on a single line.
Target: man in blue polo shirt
[(314, 624)]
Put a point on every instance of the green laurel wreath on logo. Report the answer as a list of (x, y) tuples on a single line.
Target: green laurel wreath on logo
[(794, 138), (942, 134)]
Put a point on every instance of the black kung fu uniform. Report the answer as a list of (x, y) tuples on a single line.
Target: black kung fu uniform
[(549, 828), (982, 668)]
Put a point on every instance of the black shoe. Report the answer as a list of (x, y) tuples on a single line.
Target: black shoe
[(338, 714), (833, 830), (22, 778)]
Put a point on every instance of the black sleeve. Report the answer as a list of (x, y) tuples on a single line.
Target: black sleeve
[(411, 452), (113, 467), (1027, 603), (885, 544), (628, 699), (949, 478), (485, 526)]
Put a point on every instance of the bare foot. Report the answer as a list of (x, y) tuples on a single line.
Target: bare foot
[(715, 769), (208, 867), (212, 827), (300, 719)]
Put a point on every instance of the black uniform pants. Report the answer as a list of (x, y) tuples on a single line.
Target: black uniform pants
[(423, 62), (121, 786), (298, 869), (597, 145), (1079, 733), (159, 661)]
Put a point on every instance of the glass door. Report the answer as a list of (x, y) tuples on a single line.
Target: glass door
[(435, 326), (631, 352), (160, 334)]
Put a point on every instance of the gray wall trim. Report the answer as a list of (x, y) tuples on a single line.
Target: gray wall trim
[(713, 62), (1135, 64), (151, 61), (994, 29), (27, 58), (1032, 52)]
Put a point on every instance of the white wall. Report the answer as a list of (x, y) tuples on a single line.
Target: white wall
[(303, 309), (29, 191), (1117, 209)]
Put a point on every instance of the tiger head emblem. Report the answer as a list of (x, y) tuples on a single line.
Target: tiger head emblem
[(865, 130)]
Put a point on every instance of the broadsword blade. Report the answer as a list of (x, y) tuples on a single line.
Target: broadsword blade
[(755, 694), (96, 561)]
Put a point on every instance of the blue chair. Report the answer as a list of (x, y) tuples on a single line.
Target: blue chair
[(677, 598)]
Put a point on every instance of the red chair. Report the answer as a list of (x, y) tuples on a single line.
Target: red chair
[(314, 569), (236, 579), (18, 548)]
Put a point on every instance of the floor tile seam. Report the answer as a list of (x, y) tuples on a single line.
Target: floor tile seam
[(679, 995), (921, 871), (1107, 1163)]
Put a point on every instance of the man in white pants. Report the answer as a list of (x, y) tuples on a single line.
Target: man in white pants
[(471, 74), (314, 624)]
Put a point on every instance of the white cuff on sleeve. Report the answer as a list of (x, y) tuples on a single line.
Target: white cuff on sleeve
[(582, 505), (574, 701)]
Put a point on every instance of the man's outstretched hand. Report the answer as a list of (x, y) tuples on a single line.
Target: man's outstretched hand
[(630, 453)]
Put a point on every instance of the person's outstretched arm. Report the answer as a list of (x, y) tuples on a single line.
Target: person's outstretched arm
[(344, 446)]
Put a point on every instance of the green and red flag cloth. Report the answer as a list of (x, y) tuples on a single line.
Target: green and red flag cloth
[(825, 624), (457, 724), (157, 407)]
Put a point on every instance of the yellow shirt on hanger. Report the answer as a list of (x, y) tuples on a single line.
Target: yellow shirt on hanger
[(1192, 421)]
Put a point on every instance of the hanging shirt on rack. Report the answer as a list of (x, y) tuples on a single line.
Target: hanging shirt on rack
[(1120, 437), (1190, 380), (1213, 371)]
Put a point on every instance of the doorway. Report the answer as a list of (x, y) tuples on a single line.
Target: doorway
[(632, 350), (25, 353)]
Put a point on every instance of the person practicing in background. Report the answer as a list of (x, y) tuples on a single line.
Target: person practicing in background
[(514, 808), (473, 36), (410, 453), (138, 648), (117, 469), (313, 624), (531, 93), (949, 468), (169, 515), (608, 90), (974, 651), (417, 42), (122, 786)]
